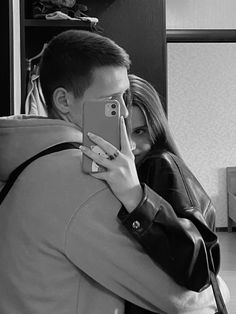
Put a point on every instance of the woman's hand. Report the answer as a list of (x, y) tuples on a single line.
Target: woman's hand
[(121, 174)]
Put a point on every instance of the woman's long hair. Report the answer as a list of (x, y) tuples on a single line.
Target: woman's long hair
[(143, 95)]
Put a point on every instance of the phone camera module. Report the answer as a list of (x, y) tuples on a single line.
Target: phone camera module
[(111, 109)]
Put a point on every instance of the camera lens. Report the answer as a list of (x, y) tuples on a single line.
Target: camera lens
[(113, 113), (113, 106)]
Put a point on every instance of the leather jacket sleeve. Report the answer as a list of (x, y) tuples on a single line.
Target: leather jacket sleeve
[(173, 221)]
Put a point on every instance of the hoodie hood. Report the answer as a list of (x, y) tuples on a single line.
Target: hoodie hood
[(23, 136)]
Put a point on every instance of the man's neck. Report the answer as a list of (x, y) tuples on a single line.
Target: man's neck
[(54, 114)]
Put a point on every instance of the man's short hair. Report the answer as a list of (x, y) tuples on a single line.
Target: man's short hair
[(70, 59)]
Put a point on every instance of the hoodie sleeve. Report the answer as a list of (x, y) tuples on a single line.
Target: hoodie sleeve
[(99, 245)]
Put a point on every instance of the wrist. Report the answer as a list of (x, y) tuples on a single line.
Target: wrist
[(134, 198)]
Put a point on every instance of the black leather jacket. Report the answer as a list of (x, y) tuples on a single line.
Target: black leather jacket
[(174, 222)]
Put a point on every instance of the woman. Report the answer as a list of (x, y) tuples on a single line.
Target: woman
[(170, 212)]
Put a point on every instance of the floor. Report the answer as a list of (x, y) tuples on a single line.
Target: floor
[(228, 265)]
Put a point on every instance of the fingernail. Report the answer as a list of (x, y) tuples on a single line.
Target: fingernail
[(91, 134)]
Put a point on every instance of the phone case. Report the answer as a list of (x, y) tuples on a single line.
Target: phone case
[(103, 119)]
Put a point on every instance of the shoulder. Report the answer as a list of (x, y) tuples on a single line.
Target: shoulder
[(162, 160), (61, 175), (166, 171), (174, 181), (166, 164)]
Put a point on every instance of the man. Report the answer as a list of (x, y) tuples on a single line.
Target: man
[(62, 248)]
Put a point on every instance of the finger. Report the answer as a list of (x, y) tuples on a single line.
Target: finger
[(125, 142), (99, 159), (106, 146)]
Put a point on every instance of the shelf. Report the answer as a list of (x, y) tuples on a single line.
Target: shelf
[(57, 23)]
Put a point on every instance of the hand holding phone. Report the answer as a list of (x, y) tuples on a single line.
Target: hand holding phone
[(102, 118), (120, 169)]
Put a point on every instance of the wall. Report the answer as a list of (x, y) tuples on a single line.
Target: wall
[(202, 112), (16, 56), (211, 14), (202, 95)]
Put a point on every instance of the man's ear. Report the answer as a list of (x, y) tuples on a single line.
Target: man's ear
[(61, 100)]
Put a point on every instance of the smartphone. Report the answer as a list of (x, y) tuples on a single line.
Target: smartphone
[(102, 118)]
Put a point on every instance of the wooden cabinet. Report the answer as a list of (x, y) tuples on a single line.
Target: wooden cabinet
[(136, 25)]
